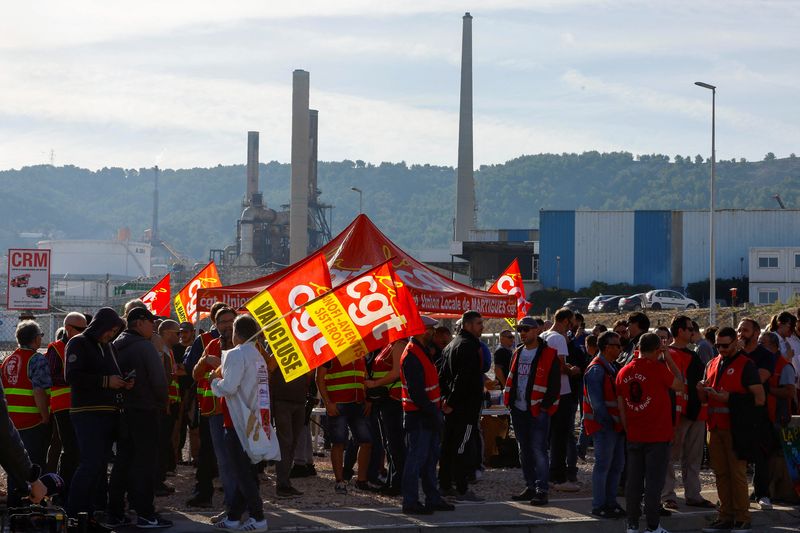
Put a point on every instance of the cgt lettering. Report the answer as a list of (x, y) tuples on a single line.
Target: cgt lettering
[(373, 308)]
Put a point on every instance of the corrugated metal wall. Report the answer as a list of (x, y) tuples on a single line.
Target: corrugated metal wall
[(652, 244), (603, 247), (557, 239)]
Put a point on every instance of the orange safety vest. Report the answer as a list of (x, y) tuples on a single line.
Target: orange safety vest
[(345, 383), (431, 377), (729, 380), (60, 395), (609, 398), (206, 400), (773, 381), (544, 362), (381, 366), (18, 387)]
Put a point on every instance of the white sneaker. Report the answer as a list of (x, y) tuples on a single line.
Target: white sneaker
[(254, 526), (219, 517), (765, 504), (659, 529)]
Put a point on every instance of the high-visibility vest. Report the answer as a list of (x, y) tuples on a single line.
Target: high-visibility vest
[(206, 400), (774, 384), (544, 362), (609, 398), (345, 383), (729, 380), (381, 366), (60, 395), (172, 388), (413, 349), (18, 387)]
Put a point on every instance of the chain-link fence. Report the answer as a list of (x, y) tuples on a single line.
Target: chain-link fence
[(49, 322)]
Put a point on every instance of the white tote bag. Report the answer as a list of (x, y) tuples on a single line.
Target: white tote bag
[(258, 446)]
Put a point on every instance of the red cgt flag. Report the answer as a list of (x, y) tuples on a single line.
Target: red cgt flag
[(510, 282), (366, 313), (158, 298), (186, 300), (296, 342)]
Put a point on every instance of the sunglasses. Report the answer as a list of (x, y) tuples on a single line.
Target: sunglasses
[(77, 328), (723, 344)]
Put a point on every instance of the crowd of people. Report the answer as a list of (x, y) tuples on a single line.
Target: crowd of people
[(134, 391)]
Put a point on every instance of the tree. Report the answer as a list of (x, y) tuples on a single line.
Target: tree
[(698, 159), (769, 157)]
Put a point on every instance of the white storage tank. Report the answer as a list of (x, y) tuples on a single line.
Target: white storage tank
[(117, 258)]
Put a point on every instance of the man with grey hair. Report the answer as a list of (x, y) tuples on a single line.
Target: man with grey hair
[(60, 397), (26, 378)]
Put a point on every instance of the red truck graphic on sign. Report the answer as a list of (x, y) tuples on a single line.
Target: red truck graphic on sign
[(36, 292), (21, 280)]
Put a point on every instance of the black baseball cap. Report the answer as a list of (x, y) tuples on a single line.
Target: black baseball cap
[(140, 313)]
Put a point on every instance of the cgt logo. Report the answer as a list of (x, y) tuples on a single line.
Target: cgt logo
[(373, 308)]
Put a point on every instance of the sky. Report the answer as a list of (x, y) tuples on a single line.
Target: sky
[(179, 83)]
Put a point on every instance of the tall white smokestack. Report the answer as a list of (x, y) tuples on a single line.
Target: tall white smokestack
[(298, 207), (465, 183), (252, 166)]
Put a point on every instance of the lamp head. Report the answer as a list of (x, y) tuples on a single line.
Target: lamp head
[(705, 85)]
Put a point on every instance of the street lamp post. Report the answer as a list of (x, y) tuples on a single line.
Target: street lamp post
[(712, 275), (558, 272), (360, 198)]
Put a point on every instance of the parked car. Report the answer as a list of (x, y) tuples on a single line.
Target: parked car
[(577, 305), (667, 299), (609, 305), (594, 305), (635, 302)]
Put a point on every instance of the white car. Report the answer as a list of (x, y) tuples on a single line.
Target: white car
[(595, 306), (667, 299)]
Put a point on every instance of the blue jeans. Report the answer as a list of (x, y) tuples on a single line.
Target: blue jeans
[(532, 439), (350, 415), (95, 433), (609, 460), (224, 464), (422, 455)]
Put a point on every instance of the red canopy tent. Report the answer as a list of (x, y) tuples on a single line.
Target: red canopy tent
[(361, 246)]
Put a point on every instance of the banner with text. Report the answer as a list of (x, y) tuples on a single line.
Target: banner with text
[(186, 300), (510, 282), (366, 314), (296, 342), (159, 297), (28, 279)]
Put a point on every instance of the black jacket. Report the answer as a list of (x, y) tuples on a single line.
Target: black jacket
[(90, 364), (461, 378), (149, 390), (13, 457)]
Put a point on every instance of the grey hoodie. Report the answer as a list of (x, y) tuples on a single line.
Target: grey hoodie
[(149, 391)]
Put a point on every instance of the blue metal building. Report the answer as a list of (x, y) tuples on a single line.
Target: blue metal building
[(658, 248)]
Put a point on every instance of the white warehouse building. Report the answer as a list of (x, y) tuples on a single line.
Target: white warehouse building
[(774, 274)]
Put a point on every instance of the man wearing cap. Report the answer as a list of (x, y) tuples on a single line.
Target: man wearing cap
[(136, 463), (74, 323), (26, 378), (422, 419), (461, 377), (531, 394)]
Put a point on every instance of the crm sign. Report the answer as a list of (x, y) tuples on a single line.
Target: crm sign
[(28, 279)]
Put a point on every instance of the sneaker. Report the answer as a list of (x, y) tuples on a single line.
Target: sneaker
[(93, 526), (672, 505), (228, 524), (659, 529), (568, 486), (602, 512), (287, 492), (416, 509), (112, 521), (469, 497), (741, 527), (525, 495), (367, 486), (539, 499), (441, 506), (253, 525), (217, 518), (765, 504), (340, 487), (718, 526), (312, 471), (153, 522)]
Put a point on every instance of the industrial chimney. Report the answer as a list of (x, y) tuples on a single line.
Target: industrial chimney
[(252, 167), (313, 133), (154, 227), (298, 206), (465, 183)]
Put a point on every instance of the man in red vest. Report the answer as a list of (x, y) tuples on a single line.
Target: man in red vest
[(422, 420), (341, 388), (74, 323), (690, 420), (26, 378), (602, 423), (730, 374), (532, 391)]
